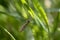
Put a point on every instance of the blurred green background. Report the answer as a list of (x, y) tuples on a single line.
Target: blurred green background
[(29, 19)]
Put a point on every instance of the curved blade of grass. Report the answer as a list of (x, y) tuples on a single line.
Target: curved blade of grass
[(41, 10), (8, 32), (37, 18)]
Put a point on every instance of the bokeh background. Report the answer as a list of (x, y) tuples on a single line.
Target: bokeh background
[(29, 19)]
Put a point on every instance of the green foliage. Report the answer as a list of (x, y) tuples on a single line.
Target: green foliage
[(14, 15)]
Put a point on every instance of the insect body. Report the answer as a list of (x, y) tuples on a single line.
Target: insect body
[(24, 25)]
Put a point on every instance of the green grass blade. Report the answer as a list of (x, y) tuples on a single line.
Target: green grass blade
[(8, 32)]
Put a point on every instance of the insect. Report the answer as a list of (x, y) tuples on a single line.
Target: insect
[(24, 25)]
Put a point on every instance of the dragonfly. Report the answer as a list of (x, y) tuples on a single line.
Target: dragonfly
[(24, 25)]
